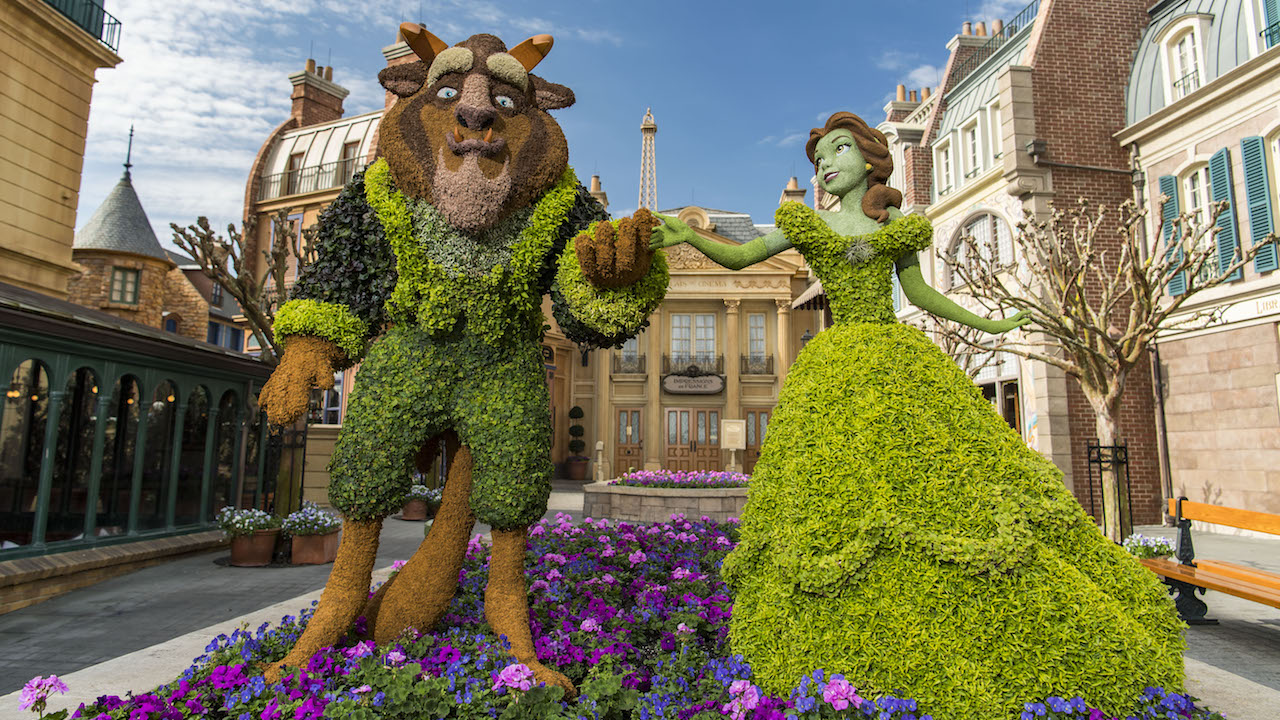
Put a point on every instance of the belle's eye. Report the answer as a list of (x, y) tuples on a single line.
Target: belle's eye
[(841, 149), (447, 93), (504, 101)]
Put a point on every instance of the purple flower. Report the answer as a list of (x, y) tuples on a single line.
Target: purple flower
[(364, 648), (271, 711), (311, 709), (395, 657), (589, 625), (637, 557), (362, 689), (839, 694), (38, 689), (516, 676), (683, 629)]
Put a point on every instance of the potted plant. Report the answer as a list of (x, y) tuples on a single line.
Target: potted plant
[(575, 467), (253, 535), (420, 503), (314, 534)]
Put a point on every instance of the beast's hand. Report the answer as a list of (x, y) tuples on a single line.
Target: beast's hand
[(308, 362), (616, 258)]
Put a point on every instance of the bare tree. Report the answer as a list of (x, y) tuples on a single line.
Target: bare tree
[(1097, 293), (971, 354), (227, 263)]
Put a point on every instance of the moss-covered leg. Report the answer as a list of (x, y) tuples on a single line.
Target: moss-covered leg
[(506, 605), (340, 602), (420, 593)]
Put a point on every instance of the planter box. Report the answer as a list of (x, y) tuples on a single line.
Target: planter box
[(642, 504), (415, 510), (254, 550), (315, 549)]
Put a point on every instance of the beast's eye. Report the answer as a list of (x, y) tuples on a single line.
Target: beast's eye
[(447, 93), (504, 101), (841, 149)]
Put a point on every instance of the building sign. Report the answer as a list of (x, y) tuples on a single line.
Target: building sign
[(733, 434), (548, 355), (700, 385)]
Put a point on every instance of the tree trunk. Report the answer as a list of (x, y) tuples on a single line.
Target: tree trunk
[(1117, 520)]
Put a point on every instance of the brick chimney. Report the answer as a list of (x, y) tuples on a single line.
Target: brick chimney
[(598, 193), (316, 98), (792, 191)]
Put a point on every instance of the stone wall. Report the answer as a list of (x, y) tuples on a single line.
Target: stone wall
[(643, 504), (187, 305), (92, 288)]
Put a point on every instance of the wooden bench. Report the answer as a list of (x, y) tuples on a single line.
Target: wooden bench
[(1188, 575)]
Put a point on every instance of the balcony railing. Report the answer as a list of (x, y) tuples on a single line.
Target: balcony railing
[(757, 364), (91, 18), (693, 364), (1020, 22), (309, 179), (1186, 84), (1271, 36), (624, 364)]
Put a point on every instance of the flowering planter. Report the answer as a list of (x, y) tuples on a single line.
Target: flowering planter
[(254, 550), (315, 549), (414, 510), (650, 504)]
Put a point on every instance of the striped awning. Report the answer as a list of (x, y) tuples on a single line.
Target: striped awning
[(813, 298)]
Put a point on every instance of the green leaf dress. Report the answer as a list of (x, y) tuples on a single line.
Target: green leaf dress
[(899, 532)]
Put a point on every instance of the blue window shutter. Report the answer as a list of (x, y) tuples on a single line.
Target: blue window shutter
[(1228, 232), (1271, 17), (1169, 188), (1257, 187), (897, 289)]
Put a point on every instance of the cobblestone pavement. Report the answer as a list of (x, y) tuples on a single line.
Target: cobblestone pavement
[(155, 604)]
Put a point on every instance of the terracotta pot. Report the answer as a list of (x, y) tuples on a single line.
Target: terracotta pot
[(414, 510), (576, 468), (315, 549), (254, 550)]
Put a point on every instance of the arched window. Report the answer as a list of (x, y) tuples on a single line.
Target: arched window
[(1182, 42), (195, 427), (985, 233), (26, 407), (117, 457), (68, 494), (222, 486), (153, 506)]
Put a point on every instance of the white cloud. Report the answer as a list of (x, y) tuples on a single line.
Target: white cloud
[(895, 60), (1002, 10), (792, 139), (922, 76)]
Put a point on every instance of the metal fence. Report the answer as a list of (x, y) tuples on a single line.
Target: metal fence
[(628, 364), (309, 179), (1020, 22), (693, 364), (92, 18), (757, 364)]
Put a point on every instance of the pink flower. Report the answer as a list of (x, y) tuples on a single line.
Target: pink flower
[(537, 530), (395, 657), (608, 551), (516, 676), (840, 694), (589, 625), (38, 689), (637, 557), (362, 689), (684, 629), (364, 648)]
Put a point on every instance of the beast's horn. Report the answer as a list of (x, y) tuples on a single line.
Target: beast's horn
[(425, 45), (531, 51)]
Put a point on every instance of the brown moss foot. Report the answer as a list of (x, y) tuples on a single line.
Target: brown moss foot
[(506, 605), (420, 593), (343, 597)]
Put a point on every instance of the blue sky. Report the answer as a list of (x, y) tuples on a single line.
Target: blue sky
[(734, 86)]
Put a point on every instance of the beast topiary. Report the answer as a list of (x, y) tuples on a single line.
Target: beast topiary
[(431, 270), (896, 529)]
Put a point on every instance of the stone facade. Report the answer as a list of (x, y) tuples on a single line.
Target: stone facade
[(92, 287), (642, 504), (185, 303), (49, 65)]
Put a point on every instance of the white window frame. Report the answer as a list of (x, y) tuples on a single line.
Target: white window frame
[(994, 121), (631, 348), (943, 162), (1172, 61), (998, 226), (971, 136), (704, 335), (1256, 24), (757, 345), (1197, 195), (681, 335)]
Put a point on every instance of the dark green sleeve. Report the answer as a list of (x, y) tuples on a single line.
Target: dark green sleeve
[(353, 266)]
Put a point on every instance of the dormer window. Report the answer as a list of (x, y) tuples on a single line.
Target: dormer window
[(945, 179), (1186, 66), (1182, 41)]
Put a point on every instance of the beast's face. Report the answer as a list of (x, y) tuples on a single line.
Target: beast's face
[(470, 133)]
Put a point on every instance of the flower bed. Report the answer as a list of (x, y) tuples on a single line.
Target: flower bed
[(636, 615), (689, 480), (657, 503)]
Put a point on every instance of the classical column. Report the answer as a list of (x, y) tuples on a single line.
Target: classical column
[(604, 407), (652, 437), (733, 363), (784, 338)]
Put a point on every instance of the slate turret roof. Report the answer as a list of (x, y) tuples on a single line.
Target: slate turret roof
[(120, 225)]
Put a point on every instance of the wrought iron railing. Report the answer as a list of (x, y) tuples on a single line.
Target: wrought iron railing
[(309, 179), (693, 364), (1020, 22), (1271, 36), (91, 18), (628, 364), (757, 364), (1186, 84)]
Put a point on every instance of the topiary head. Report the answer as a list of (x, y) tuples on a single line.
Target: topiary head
[(851, 157), (470, 132)]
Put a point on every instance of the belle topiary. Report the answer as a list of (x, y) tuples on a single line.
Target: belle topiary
[(443, 250), (897, 530)]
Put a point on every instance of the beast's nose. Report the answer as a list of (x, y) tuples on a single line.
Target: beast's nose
[(474, 117)]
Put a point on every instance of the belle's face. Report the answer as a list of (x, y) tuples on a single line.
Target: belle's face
[(838, 163)]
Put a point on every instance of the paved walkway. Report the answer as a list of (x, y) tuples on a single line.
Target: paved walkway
[(139, 630)]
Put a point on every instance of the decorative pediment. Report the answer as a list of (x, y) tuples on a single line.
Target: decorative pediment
[(686, 257)]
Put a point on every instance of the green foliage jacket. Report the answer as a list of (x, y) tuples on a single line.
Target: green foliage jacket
[(382, 257)]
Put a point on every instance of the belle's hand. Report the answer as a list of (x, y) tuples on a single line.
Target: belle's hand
[(999, 327), (671, 232)]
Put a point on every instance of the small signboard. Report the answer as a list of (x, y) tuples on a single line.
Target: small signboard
[(699, 385), (733, 434)]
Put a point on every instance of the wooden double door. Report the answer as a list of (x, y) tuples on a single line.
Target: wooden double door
[(757, 426), (693, 439)]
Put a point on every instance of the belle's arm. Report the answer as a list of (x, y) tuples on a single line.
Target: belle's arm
[(926, 298), (735, 257)]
